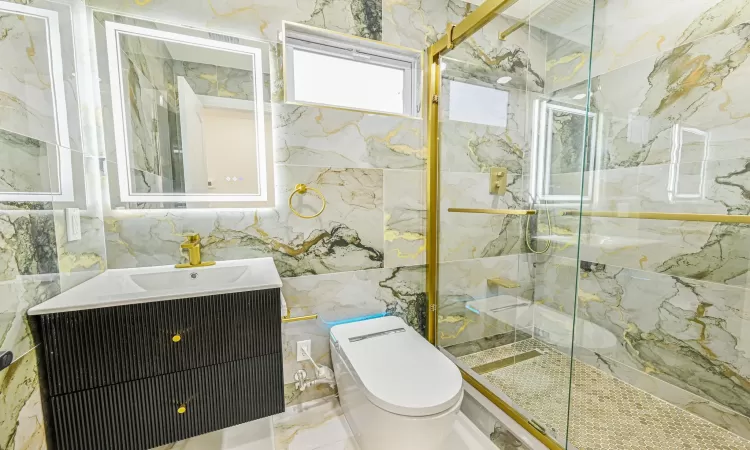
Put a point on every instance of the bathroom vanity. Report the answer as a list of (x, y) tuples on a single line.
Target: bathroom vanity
[(138, 358)]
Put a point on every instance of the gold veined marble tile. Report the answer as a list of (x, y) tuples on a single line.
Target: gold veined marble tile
[(311, 425), (21, 422)]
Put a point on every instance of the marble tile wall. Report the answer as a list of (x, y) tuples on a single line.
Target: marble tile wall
[(464, 281), (469, 150), (648, 31), (667, 92)]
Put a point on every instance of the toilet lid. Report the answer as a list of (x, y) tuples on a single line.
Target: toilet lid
[(399, 370)]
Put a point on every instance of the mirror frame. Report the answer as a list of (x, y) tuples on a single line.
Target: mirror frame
[(59, 109), (541, 156), (264, 198)]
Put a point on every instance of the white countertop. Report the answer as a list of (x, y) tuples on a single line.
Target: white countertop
[(119, 287)]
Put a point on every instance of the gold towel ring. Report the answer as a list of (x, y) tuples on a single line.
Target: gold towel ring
[(302, 189)]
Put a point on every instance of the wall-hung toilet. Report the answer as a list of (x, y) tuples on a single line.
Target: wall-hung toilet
[(397, 391)]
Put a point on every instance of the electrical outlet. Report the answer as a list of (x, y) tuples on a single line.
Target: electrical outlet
[(73, 224), (307, 346)]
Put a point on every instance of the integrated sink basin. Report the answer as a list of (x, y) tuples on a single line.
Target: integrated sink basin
[(212, 277), (148, 284)]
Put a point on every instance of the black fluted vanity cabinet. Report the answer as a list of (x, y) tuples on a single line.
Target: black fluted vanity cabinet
[(142, 375)]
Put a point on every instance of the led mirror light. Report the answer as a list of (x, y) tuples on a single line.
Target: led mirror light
[(62, 172), (200, 117)]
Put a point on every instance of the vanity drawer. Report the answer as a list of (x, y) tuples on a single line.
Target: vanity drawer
[(99, 347), (146, 413)]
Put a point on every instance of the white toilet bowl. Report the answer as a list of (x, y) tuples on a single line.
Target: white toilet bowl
[(397, 391)]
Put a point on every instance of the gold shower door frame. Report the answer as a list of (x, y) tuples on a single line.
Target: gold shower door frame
[(454, 35)]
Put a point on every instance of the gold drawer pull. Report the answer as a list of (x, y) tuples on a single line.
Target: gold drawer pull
[(182, 409), (176, 338)]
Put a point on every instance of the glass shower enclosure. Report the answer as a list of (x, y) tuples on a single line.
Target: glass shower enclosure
[(587, 258)]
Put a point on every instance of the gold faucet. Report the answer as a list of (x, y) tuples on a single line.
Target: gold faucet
[(193, 245)]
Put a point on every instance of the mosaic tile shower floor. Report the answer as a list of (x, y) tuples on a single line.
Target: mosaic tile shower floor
[(606, 413)]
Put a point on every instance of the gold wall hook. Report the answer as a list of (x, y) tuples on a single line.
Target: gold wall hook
[(302, 189), (182, 409), (176, 338)]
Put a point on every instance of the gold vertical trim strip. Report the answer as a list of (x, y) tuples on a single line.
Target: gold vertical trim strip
[(433, 174), (454, 35)]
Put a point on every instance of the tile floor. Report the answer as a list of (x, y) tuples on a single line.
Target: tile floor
[(315, 425), (606, 413)]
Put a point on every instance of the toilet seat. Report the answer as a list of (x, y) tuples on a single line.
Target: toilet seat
[(398, 370)]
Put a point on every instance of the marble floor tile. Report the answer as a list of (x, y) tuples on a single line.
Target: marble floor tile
[(319, 424), (255, 435)]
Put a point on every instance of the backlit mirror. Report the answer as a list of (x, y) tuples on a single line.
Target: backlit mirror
[(191, 122), (557, 159), (35, 133)]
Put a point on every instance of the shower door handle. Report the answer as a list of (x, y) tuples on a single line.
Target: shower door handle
[(5, 359)]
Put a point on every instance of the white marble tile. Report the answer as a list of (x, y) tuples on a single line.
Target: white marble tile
[(22, 424), (28, 273), (27, 98), (347, 296), (471, 147), (702, 250), (320, 425), (464, 281), (415, 24), (466, 235), (348, 235), (627, 32), (255, 435), (259, 19), (310, 136), (313, 425), (649, 30), (404, 203), (644, 92)]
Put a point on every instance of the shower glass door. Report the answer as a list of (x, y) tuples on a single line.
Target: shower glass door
[(517, 150)]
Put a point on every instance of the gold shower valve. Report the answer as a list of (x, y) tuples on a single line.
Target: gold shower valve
[(498, 180)]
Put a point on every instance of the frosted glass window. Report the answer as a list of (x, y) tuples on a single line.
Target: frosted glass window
[(330, 69), (478, 104), (331, 80)]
